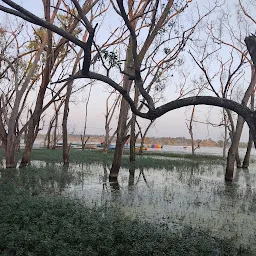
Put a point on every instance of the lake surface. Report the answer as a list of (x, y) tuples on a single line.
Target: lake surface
[(202, 150), (193, 195)]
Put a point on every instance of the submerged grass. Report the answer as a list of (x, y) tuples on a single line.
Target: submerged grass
[(198, 157), (147, 160), (53, 225)]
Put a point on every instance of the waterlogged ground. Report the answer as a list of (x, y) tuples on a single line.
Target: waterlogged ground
[(189, 194)]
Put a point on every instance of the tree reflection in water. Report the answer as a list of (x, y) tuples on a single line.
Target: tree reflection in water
[(131, 178), (142, 174)]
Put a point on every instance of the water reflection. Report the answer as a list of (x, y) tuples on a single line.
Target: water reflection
[(46, 179), (131, 177), (142, 174), (187, 194)]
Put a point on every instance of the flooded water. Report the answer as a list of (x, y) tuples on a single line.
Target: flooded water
[(188, 195)]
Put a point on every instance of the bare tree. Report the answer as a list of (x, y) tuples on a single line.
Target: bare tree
[(229, 74), (135, 57), (18, 77)]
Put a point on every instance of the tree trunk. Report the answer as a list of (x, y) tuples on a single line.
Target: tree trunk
[(10, 151), (83, 140), (48, 134), (190, 129), (232, 152), (116, 163), (55, 131), (225, 134), (225, 141), (106, 140), (133, 135), (29, 141), (238, 160), (232, 135), (10, 158), (192, 141), (121, 133), (132, 139), (122, 127), (246, 161), (66, 148)]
